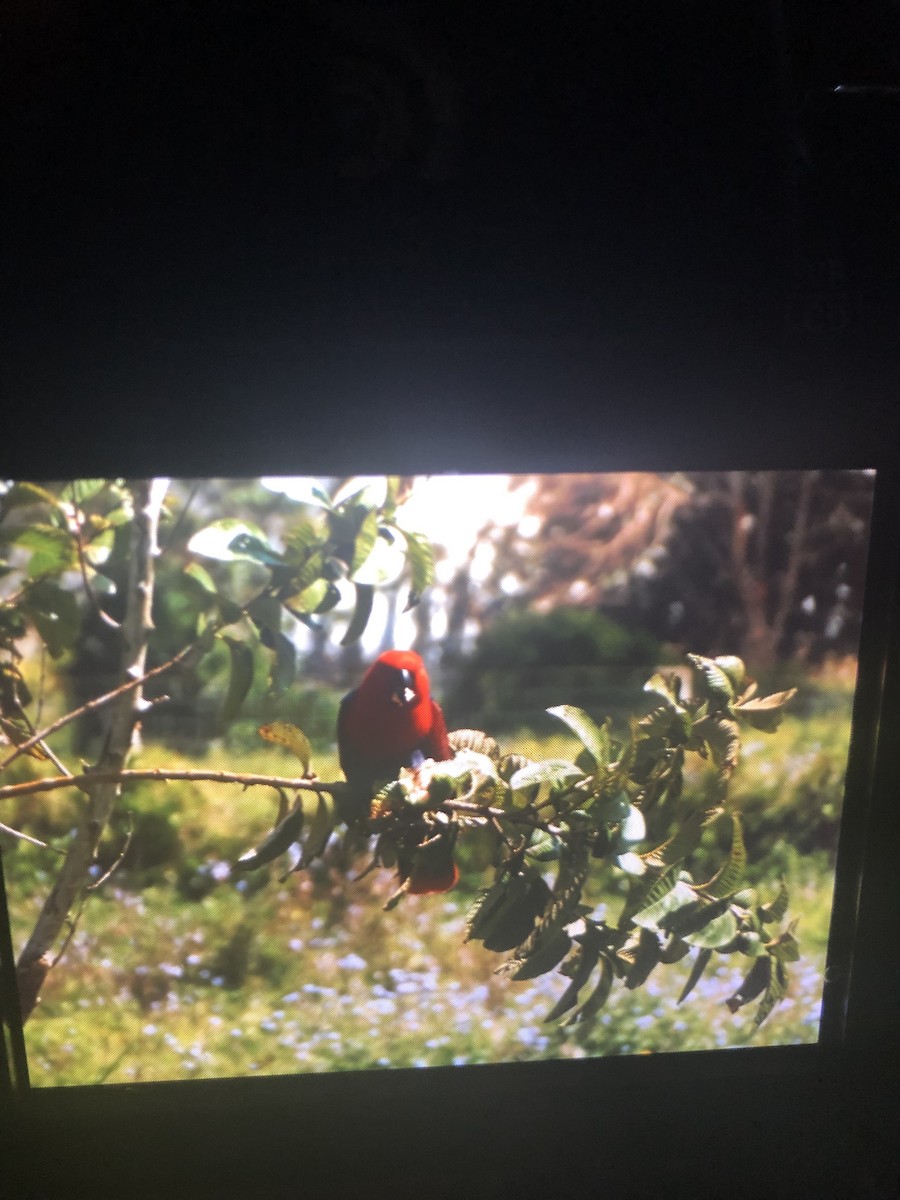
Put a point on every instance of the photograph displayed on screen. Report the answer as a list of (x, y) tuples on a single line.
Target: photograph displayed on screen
[(325, 774)]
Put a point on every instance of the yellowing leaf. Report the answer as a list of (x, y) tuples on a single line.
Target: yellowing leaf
[(283, 733), (765, 713)]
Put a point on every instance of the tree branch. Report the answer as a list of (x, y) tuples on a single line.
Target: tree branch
[(25, 837), (148, 497), (89, 779), (98, 702)]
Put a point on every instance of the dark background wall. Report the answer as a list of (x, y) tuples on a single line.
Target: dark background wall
[(253, 236)]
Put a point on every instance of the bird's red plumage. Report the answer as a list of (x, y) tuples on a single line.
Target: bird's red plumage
[(377, 735), (381, 729)]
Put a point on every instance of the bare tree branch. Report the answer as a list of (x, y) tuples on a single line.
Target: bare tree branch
[(119, 859), (24, 837), (148, 496), (98, 702), (88, 779)]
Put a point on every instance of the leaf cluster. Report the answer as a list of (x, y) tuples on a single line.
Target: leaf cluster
[(337, 550), (558, 822), (49, 535)]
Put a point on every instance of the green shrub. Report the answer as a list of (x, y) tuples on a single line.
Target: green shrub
[(525, 662)]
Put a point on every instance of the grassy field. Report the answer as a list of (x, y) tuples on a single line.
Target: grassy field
[(179, 968)]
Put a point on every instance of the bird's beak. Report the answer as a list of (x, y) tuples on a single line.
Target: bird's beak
[(405, 693)]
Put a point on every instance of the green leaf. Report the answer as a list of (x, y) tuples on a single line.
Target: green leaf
[(218, 540), (667, 687), (392, 491), (240, 679), (674, 950), (320, 816), (717, 932), (365, 541), (120, 516), (229, 611), (310, 599), (723, 737), (86, 489), (658, 722), (685, 840), (365, 594), (646, 893), (641, 959), (655, 915), (330, 600), (544, 847), (611, 809), (775, 911), (578, 968), (727, 879), (755, 982), (698, 967), (558, 772), (323, 499), (299, 540), (311, 569), (775, 992), (598, 997), (734, 668), (486, 904), (52, 550), (714, 682), (265, 613), (785, 947), (766, 713), (201, 576), (281, 837), (593, 737), (543, 959), (421, 559), (54, 613), (513, 920)]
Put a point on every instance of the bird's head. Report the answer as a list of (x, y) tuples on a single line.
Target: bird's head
[(401, 675)]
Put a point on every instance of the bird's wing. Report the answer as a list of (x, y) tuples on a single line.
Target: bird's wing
[(436, 744), (346, 756)]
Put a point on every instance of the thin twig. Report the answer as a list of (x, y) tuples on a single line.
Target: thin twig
[(41, 687), (72, 923), (45, 749), (179, 520), (98, 702), (103, 617), (120, 858), (25, 837)]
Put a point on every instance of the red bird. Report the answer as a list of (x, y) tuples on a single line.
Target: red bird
[(389, 722)]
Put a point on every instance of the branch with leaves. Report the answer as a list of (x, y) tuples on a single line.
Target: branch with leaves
[(619, 812), (559, 823), (106, 533)]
